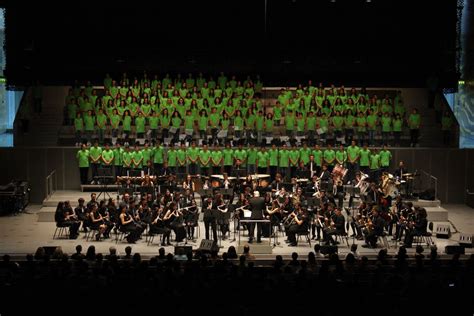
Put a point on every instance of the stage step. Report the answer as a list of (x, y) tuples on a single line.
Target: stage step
[(255, 248), (437, 214)]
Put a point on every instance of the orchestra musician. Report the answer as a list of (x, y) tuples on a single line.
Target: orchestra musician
[(298, 223), (374, 228), (65, 216), (277, 184), (334, 225), (257, 206), (417, 227), (157, 225), (209, 208), (189, 184), (127, 224), (175, 219), (190, 213), (96, 221), (147, 182), (222, 215)]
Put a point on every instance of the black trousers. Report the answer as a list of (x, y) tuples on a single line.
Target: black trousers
[(210, 222), (252, 231), (84, 171)]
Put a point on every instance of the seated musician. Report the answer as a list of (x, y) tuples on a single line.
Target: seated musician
[(157, 225), (174, 218), (303, 172), (127, 224), (277, 184), (190, 214), (189, 184), (374, 228), (65, 216), (417, 227), (405, 216), (325, 178), (299, 223), (82, 213), (97, 221), (334, 226), (147, 182)]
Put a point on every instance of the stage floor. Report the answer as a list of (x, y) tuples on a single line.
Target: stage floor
[(24, 233)]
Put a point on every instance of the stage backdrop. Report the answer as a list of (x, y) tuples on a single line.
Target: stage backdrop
[(454, 168)]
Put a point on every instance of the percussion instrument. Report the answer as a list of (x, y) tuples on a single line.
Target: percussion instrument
[(215, 183), (339, 171), (391, 190), (302, 180)]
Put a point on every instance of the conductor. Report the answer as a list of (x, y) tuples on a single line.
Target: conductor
[(257, 206)]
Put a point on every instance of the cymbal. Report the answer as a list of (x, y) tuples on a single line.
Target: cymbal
[(408, 174)]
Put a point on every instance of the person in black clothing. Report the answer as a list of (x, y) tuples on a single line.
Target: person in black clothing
[(416, 228), (336, 227), (65, 217), (257, 206), (374, 228), (299, 223), (209, 209), (127, 224), (157, 225)]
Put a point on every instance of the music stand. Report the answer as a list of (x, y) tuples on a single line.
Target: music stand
[(103, 176)]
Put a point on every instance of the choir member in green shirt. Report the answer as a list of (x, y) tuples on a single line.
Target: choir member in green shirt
[(283, 160), (397, 124), (95, 153), (385, 157), (79, 128), (83, 159), (273, 161), (364, 160), (228, 155), (352, 160), (205, 160), (262, 160), (192, 156), (414, 123), (294, 156), (181, 157), (171, 158), (118, 153), (216, 160), (137, 158), (329, 156), (252, 158), (107, 156), (158, 157)]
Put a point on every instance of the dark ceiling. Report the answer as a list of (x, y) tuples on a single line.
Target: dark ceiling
[(382, 42)]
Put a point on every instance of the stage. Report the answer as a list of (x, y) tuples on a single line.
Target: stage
[(25, 232)]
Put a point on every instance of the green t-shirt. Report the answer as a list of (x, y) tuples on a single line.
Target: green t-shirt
[(89, 121), (192, 154), (118, 152), (353, 153), (147, 155), (79, 124), (329, 155), (397, 125), (216, 156), (294, 157), (127, 159), (304, 155), (371, 122), (228, 156), (374, 161), (153, 122), (365, 157), (127, 123), (385, 156), (137, 157), (318, 157), (386, 124), (140, 124), (337, 121), (95, 153), (341, 156), (241, 155), (252, 156), (158, 154), (284, 156), (115, 121), (262, 158), (361, 122), (108, 155), (83, 158), (181, 156), (172, 155), (205, 157), (214, 120), (414, 121), (273, 157)]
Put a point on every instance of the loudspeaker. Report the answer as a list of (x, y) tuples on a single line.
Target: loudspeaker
[(183, 250), (466, 240), (454, 249), (443, 231), (208, 245), (328, 249)]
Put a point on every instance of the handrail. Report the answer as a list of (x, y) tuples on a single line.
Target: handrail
[(435, 181), (51, 182)]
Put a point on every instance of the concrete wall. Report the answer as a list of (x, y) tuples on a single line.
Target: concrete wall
[(454, 168)]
